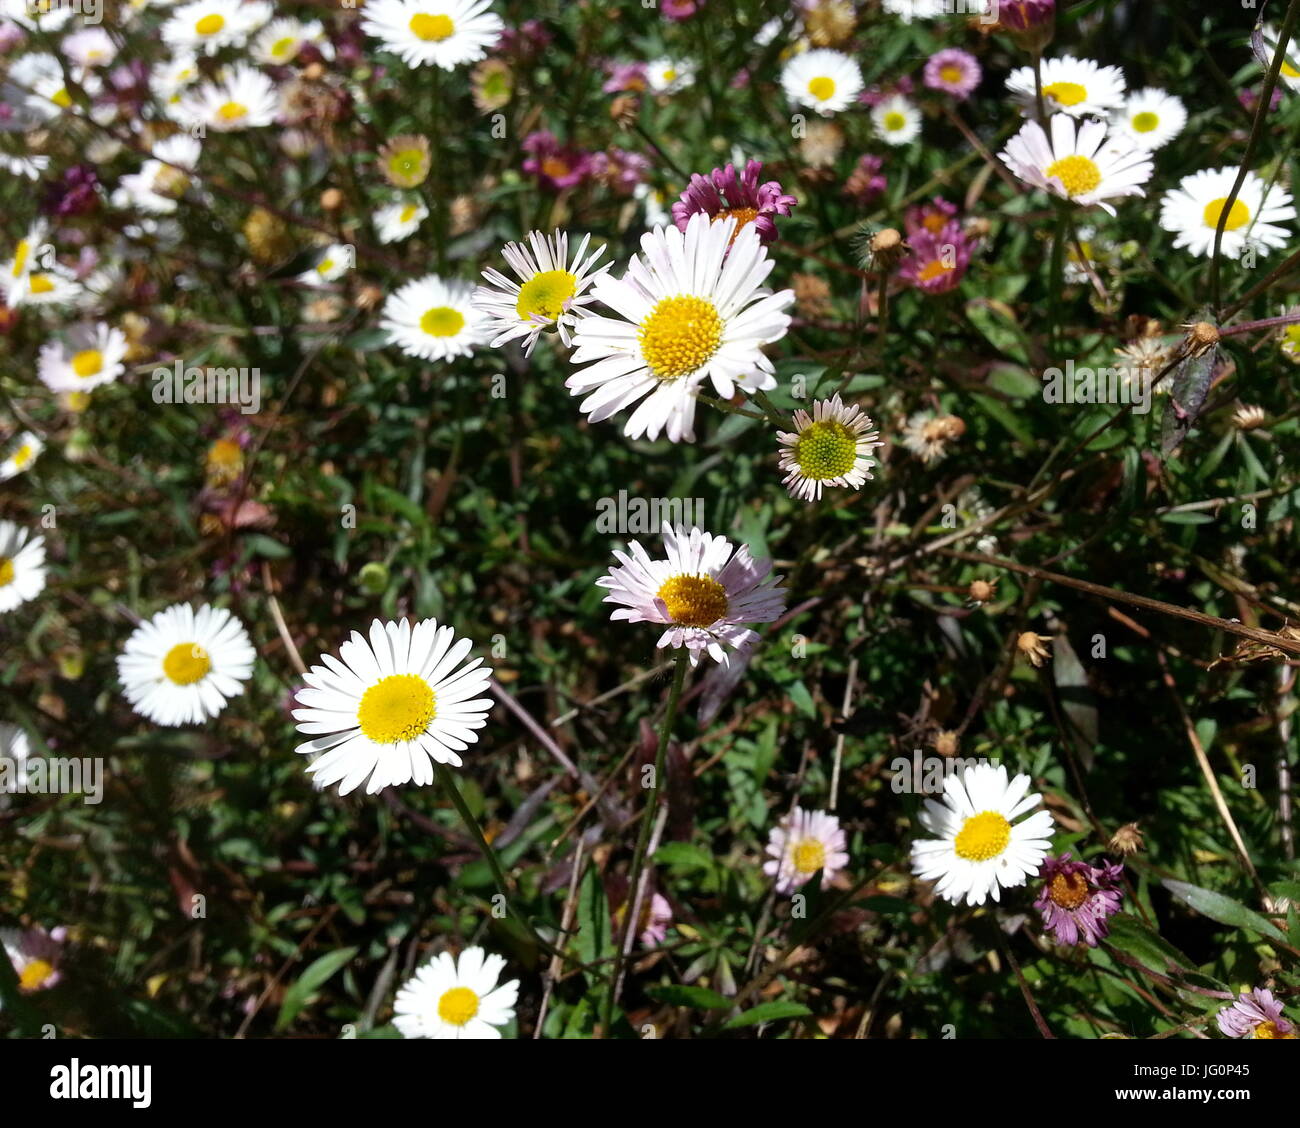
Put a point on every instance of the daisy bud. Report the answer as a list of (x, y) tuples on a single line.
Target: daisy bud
[(373, 578), (887, 249), (1127, 840), (946, 743), (982, 591), (1033, 647), (331, 199), (313, 72)]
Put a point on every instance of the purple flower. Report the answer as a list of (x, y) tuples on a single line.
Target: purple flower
[(680, 10), (1256, 1014), (1077, 899), (623, 170), (76, 194), (932, 217), (953, 71), (34, 954), (1029, 22), (865, 182), (624, 77), (723, 194), (557, 166), (523, 42), (1250, 99)]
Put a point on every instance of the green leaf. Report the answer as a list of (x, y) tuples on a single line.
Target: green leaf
[(679, 996), (767, 1012), (1223, 909), (683, 854), (594, 940), (315, 977)]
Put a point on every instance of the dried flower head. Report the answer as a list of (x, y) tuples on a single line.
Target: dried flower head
[(982, 591), (1249, 417), (1033, 647), (1127, 840), (405, 160)]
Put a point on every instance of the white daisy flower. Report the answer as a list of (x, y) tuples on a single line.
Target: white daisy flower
[(704, 592), (668, 76), (281, 41), (550, 291), (242, 98), (823, 80), (399, 221), (41, 88), (909, 10), (1290, 70), (22, 566), (15, 748), (209, 25), (1192, 212), (89, 47), (1071, 86), (1082, 167), (831, 447), (801, 844), (1150, 118), (896, 120), (981, 849), (336, 262), (449, 998), (654, 202), (169, 79), (434, 319), (689, 310), (163, 179), (29, 165), (386, 710), (446, 33), (25, 451), (927, 434), (37, 15), (89, 354), (182, 666)]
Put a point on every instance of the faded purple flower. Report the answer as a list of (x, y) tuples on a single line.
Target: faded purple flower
[(623, 170), (865, 182), (1250, 99), (1256, 1014), (679, 10), (557, 166), (953, 71), (933, 216), (34, 954), (723, 194), (625, 77), (76, 194), (1077, 899), (524, 42)]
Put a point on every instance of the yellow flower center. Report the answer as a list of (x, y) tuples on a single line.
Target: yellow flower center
[(1238, 214), (694, 601), (282, 47), (826, 449), (742, 216), (555, 168), (670, 75), (545, 293), (950, 73), (87, 363), (809, 856), (1065, 93), (20, 257), (325, 266), (442, 321), (1076, 172), (6, 571), (1145, 122), (432, 28), (210, 25), (186, 663), (171, 182), (1289, 70), (408, 213), (406, 163), (1069, 890), (1270, 1030), (680, 335), (38, 971), (61, 98), (22, 456), (822, 88), (932, 270), (40, 284), (398, 707), (982, 837), (458, 1006), (232, 111), (894, 121)]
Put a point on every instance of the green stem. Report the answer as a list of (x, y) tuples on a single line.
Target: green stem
[(643, 837), (1057, 279)]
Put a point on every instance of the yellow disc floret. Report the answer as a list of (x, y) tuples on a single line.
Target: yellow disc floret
[(982, 837), (1238, 214), (398, 707), (186, 663), (826, 449), (1077, 173), (809, 856), (694, 601), (1065, 93), (6, 571), (442, 321), (1145, 122), (822, 88), (1069, 890), (34, 975), (458, 1006), (88, 363), (679, 336), (544, 294), (211, 24), (432, 29)]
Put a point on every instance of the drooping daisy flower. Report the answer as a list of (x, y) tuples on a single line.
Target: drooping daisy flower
[(22, 566), (723, 194), (953, 71), (385, 710), (688, 310), (704, 592), (896, 120), (444, 33), (209, 25), (550, 291), (335, 263), (87, 355), (981, 849), (434, 319), (652, 927), (1192, 212), (1077, 899), (241, 98), (42, 86), (1150, 118), (1083, 167), (405, 160), (182, 666), (801, 844), (163, 179), (668, 76), (449, 998), (21, 456), (927, 434), (15, 748), (282, 40), (1290, 70), (169, 79), (34, 954), (831, 447), (1070, 86), (1256, 1014), (401, 220), (823, 80)]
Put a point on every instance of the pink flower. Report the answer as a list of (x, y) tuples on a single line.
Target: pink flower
[(624, 77), (801, 844), (557, 166), (953, 71), (724, 194), (679, 10), (1077, 899), (1256, 1014), (865, 182), (932, 217), (938, 261)]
